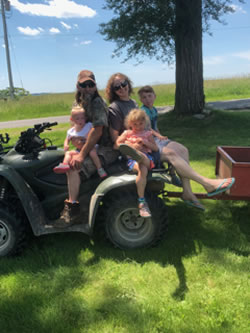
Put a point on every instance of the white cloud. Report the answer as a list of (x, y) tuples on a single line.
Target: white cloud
[(3, 45), (29, 31), (86, 42), (65, 25), (54, 31), (216, 60), (54, 8), (243, 55), (238, 9)]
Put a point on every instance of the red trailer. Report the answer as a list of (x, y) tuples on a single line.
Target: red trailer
[(231, 161)]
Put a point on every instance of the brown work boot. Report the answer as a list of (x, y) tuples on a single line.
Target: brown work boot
[(70, 215)]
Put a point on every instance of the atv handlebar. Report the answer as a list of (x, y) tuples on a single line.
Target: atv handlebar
[(30, 141), (39, 128)]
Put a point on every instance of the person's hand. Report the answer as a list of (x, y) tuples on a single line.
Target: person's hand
[(138, 145), (76, 162), (139, 141), (162, 137)]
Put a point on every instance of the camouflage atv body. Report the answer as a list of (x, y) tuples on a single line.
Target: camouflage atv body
[(32, 196)]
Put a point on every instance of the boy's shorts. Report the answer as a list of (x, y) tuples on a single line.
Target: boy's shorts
[(131, 163), (161, 143)]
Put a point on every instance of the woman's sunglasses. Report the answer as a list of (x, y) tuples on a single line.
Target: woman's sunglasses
[(89, 84), (121, 85)]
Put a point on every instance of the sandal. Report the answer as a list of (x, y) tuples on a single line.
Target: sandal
[(127, 150), (144, 210)]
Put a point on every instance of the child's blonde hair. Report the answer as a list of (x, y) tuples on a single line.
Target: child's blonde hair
[(136, 115), (76, 109)]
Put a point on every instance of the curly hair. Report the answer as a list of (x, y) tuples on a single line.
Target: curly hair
[(110, 94), (137, 115)]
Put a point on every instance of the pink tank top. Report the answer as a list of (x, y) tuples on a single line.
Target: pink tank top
[(144, 135)]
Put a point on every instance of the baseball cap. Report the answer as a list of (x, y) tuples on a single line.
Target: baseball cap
[(86, 75)]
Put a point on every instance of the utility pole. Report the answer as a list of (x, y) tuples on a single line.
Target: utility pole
[(5, 4)]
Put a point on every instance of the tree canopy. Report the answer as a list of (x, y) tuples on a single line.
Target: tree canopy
[(167, 30), (18, 92)]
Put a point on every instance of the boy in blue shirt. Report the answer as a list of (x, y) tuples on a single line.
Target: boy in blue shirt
[(147, 97)]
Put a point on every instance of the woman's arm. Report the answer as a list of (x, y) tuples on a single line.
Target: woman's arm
[(114, 135), (120, 139)]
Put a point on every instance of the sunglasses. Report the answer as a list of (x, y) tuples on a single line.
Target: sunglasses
[(121, 85), (89, 84)]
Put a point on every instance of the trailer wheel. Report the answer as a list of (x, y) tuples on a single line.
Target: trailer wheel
[(126, 229)]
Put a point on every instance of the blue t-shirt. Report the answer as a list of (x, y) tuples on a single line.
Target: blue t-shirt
[(152, 114)]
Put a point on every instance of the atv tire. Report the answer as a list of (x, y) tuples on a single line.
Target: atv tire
[(12, 232), (126, 229)]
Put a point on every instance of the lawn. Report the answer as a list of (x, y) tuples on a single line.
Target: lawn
[(60, 104), (195, 280)]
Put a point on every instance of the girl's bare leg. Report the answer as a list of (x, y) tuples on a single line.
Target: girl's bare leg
[(68, 156), (95, 158), (141, 179)]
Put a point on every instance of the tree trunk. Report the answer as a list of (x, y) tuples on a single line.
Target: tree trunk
[(189, 94)]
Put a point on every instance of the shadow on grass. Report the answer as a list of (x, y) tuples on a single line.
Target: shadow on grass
[(58, 265), (222, 227)]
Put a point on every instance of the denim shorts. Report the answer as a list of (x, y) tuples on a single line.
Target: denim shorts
[(161, 143)]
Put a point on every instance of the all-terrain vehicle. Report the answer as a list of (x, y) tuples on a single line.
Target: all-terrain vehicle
[(32, 197)]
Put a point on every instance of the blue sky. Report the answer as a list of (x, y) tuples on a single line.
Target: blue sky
[(51, 41)]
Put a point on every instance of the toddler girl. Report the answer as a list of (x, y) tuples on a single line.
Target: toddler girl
[(138, 143), (78, 135)]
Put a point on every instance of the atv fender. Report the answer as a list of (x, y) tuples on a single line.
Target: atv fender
[(29, 200), (113, 182)]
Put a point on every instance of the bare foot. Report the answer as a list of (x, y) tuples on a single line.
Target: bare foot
[(191, 200), (224, 185), (214, 184)]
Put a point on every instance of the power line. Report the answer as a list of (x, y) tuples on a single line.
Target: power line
[(231, 28)]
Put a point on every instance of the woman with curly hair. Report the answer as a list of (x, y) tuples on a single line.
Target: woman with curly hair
[(118, 91)]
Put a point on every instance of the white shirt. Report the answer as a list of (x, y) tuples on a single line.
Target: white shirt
[(82, 133)]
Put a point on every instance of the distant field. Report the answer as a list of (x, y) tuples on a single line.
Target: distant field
[(59, 104)]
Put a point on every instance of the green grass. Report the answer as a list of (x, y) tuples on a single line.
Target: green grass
[(196, 280), (36, 106), (60, 104)]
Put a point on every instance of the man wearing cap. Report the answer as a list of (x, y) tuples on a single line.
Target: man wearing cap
[(81, 164)]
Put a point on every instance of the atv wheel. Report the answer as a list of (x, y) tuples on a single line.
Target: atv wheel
[(12, 232), (126, 229)]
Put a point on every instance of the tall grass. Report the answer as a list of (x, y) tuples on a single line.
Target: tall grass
[(227, 89), (195, 280), (59, 104), (36, 106)]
